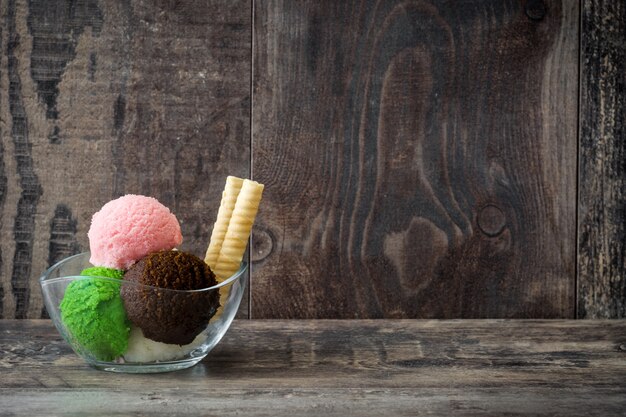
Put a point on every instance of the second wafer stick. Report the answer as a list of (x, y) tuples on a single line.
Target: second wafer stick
[(239, 228)]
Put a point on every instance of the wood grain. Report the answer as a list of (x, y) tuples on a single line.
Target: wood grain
[(103, 98), (419, 159), (419, 156), (343, 368), (602, 192), (3, 176), (23, 230)]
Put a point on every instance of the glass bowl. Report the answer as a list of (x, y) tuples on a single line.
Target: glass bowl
[(98, 310)]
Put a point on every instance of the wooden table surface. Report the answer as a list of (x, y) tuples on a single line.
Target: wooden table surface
[(343, 368)]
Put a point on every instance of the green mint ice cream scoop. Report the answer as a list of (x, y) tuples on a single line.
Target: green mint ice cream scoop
[(94, 314)]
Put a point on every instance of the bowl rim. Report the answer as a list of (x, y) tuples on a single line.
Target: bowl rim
[(45, 281)]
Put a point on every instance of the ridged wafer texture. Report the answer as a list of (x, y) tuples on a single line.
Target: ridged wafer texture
[(238, 232), (229, 198)]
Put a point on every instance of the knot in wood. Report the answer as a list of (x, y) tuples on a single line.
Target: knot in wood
[(535, 9), (491, 220), (262, 245)]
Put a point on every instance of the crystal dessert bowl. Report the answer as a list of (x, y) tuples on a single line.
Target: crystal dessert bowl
[(97, 329)]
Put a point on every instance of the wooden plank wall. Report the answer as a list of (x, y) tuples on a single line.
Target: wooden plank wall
[(103, 98), (421, 158), (602, 186)]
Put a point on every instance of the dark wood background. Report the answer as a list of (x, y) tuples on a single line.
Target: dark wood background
[(422, 159)]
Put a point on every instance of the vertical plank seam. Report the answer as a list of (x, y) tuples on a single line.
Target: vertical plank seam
[(578, 150), (251, 148), (3, 177)]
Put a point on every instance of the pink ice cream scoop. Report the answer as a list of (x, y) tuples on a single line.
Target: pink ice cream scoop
[(130, 227)]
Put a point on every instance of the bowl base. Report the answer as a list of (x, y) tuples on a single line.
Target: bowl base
[(145, 368)]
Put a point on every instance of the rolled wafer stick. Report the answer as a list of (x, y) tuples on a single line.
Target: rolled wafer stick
[(238, 232), (229, 198)]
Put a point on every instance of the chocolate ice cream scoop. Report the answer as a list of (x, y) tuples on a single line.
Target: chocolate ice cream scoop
[(170, 313)]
